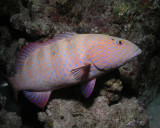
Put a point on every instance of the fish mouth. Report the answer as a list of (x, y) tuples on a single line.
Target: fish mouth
[(137, 52)]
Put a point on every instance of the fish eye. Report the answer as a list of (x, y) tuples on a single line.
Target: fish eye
[(120, 42)]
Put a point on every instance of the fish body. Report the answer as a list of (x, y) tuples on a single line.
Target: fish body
[(66, 60)]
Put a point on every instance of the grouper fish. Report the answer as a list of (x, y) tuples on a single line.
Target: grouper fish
[(68, 59)]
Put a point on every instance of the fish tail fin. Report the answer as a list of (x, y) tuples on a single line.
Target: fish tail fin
[(11, 80)]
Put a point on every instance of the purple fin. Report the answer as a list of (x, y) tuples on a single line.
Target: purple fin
[(26, 51), (64, 35), (79, 73), (40, 99), (87, 88)]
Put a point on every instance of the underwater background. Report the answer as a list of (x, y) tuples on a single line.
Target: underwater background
[(126, 97)]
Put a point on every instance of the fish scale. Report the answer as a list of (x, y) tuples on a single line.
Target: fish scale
[(68, 59)]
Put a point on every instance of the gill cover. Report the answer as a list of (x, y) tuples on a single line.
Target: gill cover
[(106, 54)]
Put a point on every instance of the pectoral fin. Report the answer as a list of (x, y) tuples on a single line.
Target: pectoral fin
[(40, 99), (87, 88), (81, 72)]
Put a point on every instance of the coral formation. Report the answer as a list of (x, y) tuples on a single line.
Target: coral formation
[(69, 113), (114, 85), (8, 119), (150, 81), (112, 90)]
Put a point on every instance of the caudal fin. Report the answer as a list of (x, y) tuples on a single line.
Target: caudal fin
[(13, 84)]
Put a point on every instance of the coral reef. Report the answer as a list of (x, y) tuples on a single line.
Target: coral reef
[(72, 114), (112, 90), (114, 85), (151, 81), (8, 119)]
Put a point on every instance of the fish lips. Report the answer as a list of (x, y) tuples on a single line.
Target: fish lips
[(137, 52)]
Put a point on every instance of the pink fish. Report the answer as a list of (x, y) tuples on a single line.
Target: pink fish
[(68, 59)]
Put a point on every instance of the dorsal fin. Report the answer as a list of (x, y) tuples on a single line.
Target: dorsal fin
[(60, 37), (64, 35), (22, 55), (28, 49)]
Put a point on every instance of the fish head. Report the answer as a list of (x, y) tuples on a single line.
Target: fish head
[(113, 52)]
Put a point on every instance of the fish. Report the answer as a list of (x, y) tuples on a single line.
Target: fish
[(68, 59)]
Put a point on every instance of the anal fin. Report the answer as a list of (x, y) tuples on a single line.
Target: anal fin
[(40, 99)]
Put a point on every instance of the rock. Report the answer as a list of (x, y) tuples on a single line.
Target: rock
[(112, 90), (69, 113), (114, 85), (150, 82), (8, 119)]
